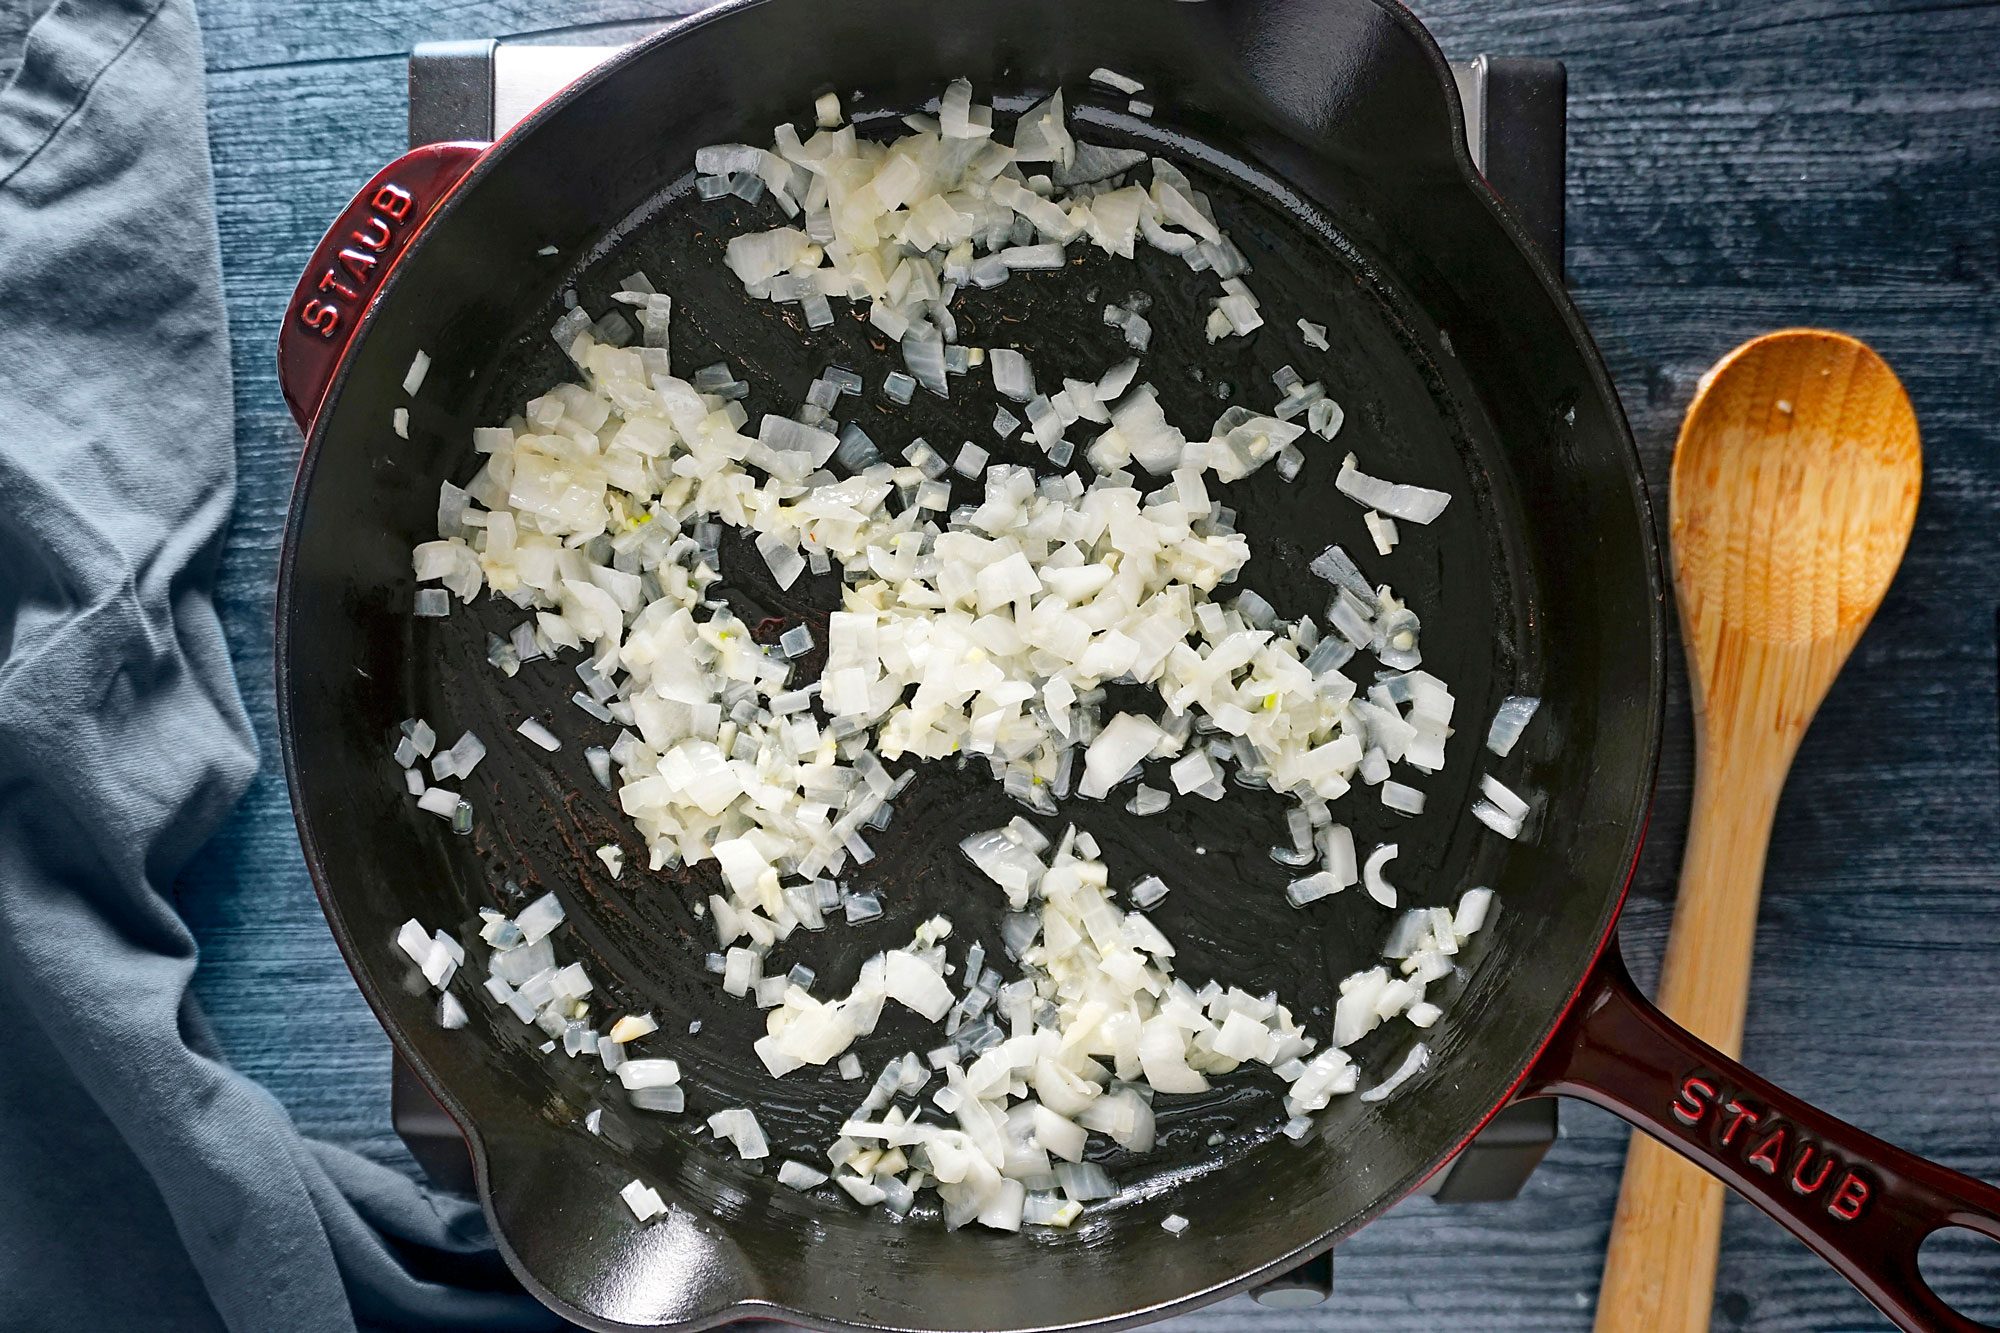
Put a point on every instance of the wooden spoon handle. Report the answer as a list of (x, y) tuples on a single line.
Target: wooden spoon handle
[(1659, 1273)]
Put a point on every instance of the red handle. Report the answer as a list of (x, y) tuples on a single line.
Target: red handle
[(351, 261), (1862, 1205)]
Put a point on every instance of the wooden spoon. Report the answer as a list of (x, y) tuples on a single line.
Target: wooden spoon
[(1794, 489)]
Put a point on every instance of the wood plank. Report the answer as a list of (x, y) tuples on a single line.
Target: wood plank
[(244, 34)]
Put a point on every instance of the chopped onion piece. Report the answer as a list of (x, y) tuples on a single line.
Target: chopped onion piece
[(1312, 888), (539, 918), (671, 1100), (923, 357), (915, 984), (1085, 1181), (1491, 815), (1402, 799), (632, 1027), (414, 941), (785, 563), (1474, 908), (1125, 740), (1111, 78), (1413, 1064), (1192, 772), (1041, 136), (1380, 889), (739, 1125), (1338, 568), (798, 1176), (1415, 503), (1012, 375), (1381, 531), (1508, 803), (413, 379), (1324, 418), (1509, 721), (741, 969), (1112, 385), (644, 1201), (438, 801)]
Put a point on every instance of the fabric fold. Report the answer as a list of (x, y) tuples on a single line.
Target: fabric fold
[(144, 1184)]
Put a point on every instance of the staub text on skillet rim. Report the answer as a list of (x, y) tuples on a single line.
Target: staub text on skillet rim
[(1343, 107)]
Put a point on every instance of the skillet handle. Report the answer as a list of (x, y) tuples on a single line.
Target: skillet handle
[(1862, 1205), (349, 263)]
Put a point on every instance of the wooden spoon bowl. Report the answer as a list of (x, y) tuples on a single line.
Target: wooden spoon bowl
[(1795, 486)]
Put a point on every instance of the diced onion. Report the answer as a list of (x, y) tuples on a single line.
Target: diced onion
[(1011, 374), (1312, 888), (1413, 1064), (1111, 78), (739, 1125), (1381, 531), (1508, 803), (1491, 815), (1125, 740), (644, 1201), (1415, 503), (1510, 719), (651, 1073), (438, 801), (982, 619), (1380, 889), (1338, 568), (1402, 799), (1474, 908), (799, 1176)]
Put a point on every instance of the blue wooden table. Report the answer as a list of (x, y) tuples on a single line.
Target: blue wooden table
[(1734, 168)]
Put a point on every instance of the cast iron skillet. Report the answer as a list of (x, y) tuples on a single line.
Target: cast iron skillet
[(1330, 137)]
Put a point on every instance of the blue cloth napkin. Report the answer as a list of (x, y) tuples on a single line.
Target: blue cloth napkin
[(143, 1183)]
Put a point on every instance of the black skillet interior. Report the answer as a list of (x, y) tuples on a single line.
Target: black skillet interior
[(1323, 132)]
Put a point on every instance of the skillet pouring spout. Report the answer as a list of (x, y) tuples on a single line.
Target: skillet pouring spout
[(1862, 1205)]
